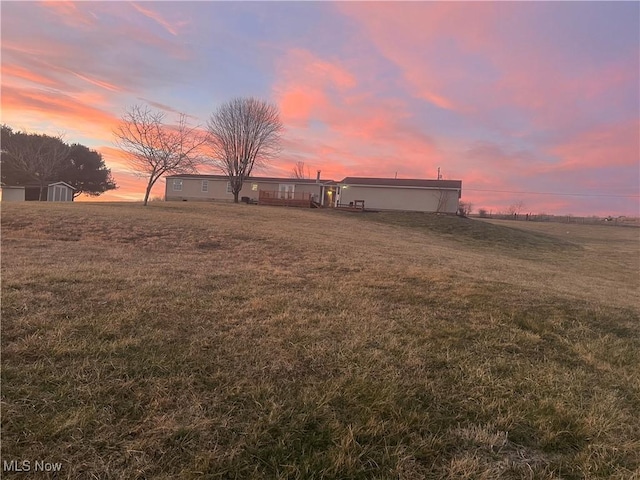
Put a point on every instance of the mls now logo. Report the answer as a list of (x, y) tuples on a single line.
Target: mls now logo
[(28, 466)]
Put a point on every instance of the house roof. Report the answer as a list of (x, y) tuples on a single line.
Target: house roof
[(364, 181), (256, 179), (402, 182)]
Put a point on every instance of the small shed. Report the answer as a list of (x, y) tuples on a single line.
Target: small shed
[(60, 192), (12, 194)]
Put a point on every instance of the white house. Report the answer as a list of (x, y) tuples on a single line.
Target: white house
[(418, 195)]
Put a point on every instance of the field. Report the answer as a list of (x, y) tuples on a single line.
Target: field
[(236, 341)]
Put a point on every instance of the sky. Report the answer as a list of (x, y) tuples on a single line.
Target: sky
[(532, 102)]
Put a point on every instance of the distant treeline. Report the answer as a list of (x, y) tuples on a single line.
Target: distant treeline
[(543, 217)]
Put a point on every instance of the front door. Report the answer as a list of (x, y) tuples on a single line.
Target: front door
[(329, 196)]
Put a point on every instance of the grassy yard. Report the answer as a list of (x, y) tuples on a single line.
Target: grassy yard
[(236, 341)]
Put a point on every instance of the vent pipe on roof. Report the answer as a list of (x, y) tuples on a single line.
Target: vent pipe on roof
[(318, 177)]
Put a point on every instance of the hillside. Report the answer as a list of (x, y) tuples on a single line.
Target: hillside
[(236, 341)]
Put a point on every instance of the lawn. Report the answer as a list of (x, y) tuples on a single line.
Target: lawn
[(187, 340)]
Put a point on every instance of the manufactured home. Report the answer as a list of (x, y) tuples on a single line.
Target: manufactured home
[(419, 195)]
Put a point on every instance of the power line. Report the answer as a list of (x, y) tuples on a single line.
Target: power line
[(552, 193)]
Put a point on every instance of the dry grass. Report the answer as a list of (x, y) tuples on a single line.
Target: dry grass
[(235, 341)]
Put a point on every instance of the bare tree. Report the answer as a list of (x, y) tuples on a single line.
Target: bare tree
[(515, 208), (465, 209), (300, 171), (155, 148), (443, 200), (243, 133), (34, 157)]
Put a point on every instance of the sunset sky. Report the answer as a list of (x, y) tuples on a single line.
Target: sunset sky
[(523, 101)]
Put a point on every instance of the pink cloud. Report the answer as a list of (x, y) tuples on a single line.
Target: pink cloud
[(52, 64), (611, 145), (164, 107), (98, 83), (116, 158), (409, 36), (304, 81), (46, 54), (63, 109), (298, 104), (324, 72), (441, 47), (17, 72), (72, 14), (35, 48), (343, 127), (172, 28)]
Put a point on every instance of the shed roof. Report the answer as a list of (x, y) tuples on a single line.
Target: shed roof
[(62, 183), (402, 182)]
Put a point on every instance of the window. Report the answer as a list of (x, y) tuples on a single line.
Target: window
[(286, 191), (229, 187), (205, 185), (177, 185), (254, 187)]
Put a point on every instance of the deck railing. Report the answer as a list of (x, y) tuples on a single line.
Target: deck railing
[(356, 205), (285, 198)]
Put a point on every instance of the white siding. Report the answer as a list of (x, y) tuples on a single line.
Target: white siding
[(13, 194), (59, 193), (219, 189), (401, 198)]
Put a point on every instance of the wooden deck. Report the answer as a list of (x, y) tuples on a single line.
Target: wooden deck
[(285, 199)]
